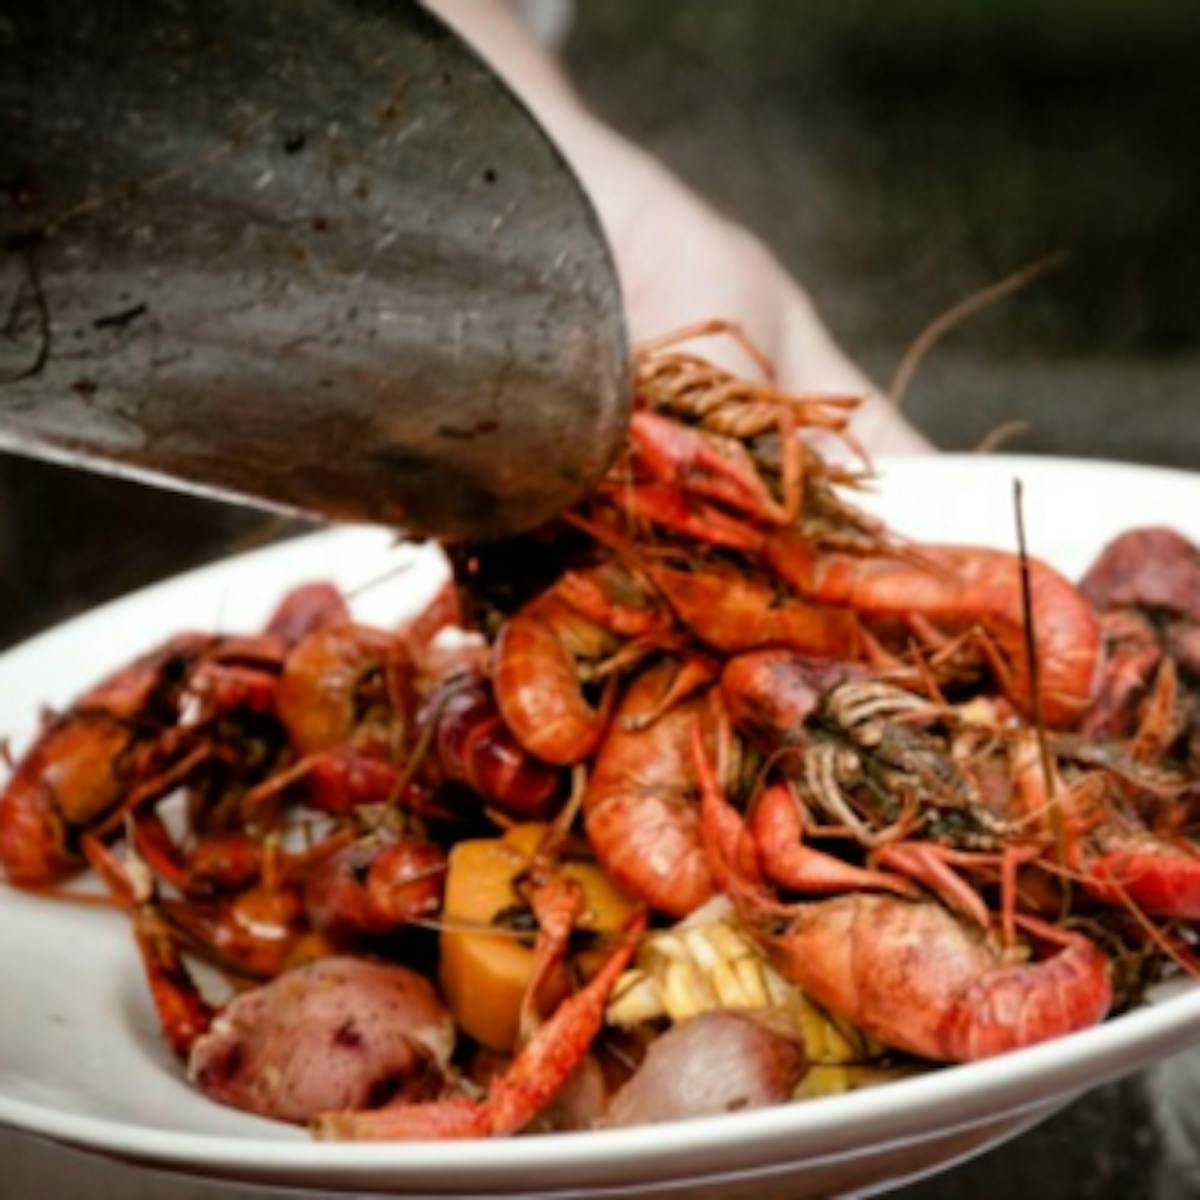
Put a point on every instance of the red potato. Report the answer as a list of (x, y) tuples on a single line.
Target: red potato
[(715, 1063), (340, 1033), (1146, 568), (580, 1101)]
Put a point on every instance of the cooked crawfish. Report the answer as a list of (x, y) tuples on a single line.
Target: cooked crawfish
[(641, 806), (731, 611), (113, 738), (967, 592), (953, 994), (347, 698), (543, 652), (1117, 859), (375, 885), (717, 458)]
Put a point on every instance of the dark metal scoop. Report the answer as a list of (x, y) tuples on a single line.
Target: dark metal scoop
[(309, 254)]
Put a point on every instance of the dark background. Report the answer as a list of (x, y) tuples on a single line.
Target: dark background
[(897, 157)]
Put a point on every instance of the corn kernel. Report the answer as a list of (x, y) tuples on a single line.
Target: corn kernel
[(686, 993), (702, 952), (730, 993), (635, 998)]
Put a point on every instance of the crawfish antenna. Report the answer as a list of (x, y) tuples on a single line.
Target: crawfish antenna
[(1035, 682), (960, 312), (375, 581), (1004, 433)]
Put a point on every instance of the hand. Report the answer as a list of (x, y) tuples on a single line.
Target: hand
[(679, 261)]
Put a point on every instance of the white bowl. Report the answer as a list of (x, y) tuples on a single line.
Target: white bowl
[(81, 1060)]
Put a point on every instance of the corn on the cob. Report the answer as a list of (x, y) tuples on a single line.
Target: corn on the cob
[(690, 970)]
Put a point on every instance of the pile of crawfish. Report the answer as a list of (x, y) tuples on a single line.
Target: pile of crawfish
[(941, 793)]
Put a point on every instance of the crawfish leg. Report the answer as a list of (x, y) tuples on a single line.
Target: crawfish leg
[(543, 1064), (153, 842), (155, 788), (557, 905), (182, 1012), (440, 1120), (789, 863), (728, 848), (708, 328), (1158, 727), (696, 671), (924, 863)]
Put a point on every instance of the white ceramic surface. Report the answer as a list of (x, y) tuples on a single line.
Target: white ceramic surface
[(81, 1061)]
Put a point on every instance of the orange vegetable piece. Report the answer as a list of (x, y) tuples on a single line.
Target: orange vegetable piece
[(484, 975)]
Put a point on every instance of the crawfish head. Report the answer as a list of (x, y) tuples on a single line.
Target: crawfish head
[(896, 758), (1146, 568), (772, 694)]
